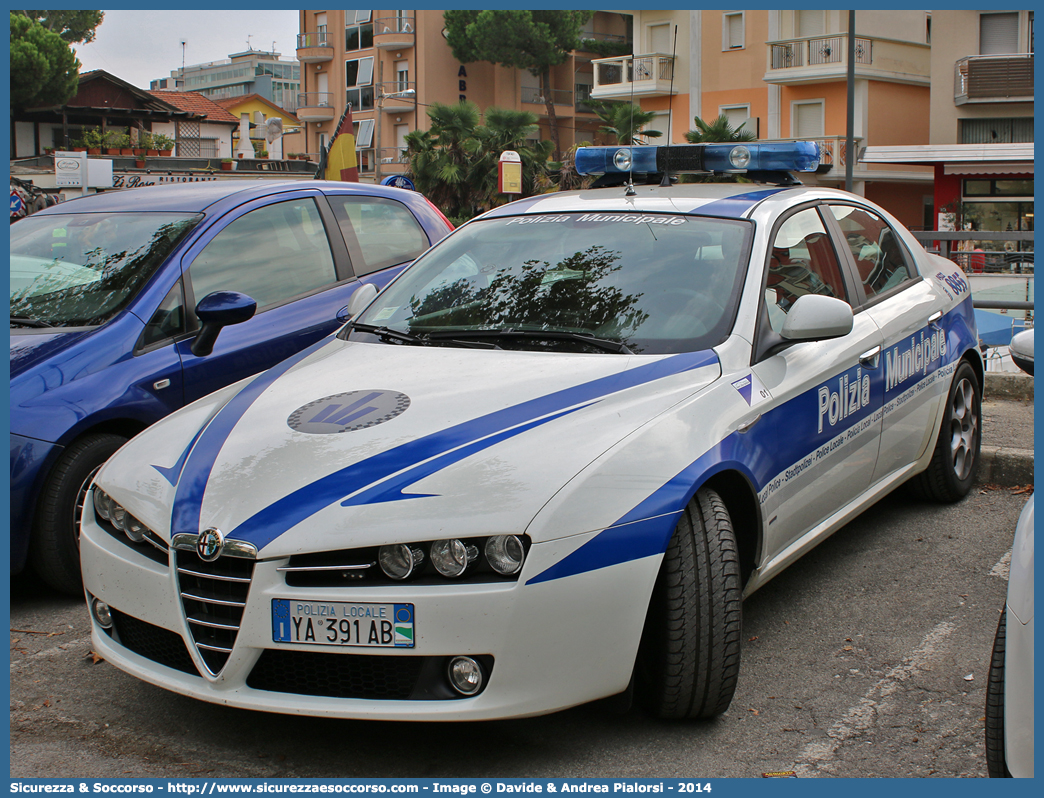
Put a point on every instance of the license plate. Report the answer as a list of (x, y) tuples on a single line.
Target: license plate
[(342, 623)]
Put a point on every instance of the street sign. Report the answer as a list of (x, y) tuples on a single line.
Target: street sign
[(398, 181)]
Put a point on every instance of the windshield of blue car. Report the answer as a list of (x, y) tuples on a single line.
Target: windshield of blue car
[(655, 283), (78, 270)]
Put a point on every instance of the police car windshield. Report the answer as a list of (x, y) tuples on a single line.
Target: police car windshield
[(656, 283), (73, 270)]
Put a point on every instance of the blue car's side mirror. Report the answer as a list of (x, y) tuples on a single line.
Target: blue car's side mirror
[(218, 310)]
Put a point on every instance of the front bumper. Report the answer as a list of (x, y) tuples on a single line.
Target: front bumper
[(552, 645)]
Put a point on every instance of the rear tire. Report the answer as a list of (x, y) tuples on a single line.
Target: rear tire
[(54, 549), (955, 461), (688, 661), (996, 760)]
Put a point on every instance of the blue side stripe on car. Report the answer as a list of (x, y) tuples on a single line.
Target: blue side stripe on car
[(275, 519), (735, 206), (773, 445)]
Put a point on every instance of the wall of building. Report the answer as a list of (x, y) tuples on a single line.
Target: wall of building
[(905, 201), (897, 113)]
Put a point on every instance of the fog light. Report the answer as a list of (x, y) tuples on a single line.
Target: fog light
[(739, 157), (102, 504), (622, 160), (102, 613), (451, 557), (398, 560), (504, 554), (465, 675)]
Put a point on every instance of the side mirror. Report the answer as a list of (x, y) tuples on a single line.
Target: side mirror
[(362, 297), (815, 317), (218, 310), (1021, 349)]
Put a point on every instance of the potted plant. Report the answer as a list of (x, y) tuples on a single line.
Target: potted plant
[(163, 143), (139, 161), (227, 164), (92, 141), (111, 140), (125, 144)]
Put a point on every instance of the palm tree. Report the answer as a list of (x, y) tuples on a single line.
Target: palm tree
[(624, 121), (454, 163), (717, 131)]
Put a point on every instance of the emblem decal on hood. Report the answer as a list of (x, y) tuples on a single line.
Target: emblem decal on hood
[(345, 412)]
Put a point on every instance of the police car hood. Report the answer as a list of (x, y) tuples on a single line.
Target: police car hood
[(359, 444)]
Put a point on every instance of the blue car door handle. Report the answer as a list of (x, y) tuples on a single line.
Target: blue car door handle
[(871, 357)]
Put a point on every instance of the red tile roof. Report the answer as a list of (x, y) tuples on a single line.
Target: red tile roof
[(196, 103)]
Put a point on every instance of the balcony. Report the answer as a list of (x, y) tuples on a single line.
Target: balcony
[(825, 58), (393, 160), (394, 33), (314, 48), (315, 106), (397, 105), (993, 78), (536, 96), (633, 75)]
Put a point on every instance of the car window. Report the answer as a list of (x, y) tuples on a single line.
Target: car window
[(169, 319), (81, 269), (657, 283), (386, 232), (270, 254), (802, 261), (879, 257)]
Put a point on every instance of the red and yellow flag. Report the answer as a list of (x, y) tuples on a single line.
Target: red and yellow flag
[(339, 161)]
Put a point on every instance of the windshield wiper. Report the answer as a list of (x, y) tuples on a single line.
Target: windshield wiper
[(25, 321), (546, 335), (388, 334)]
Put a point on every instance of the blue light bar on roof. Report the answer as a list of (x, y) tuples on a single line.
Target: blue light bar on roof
[(786, 156)]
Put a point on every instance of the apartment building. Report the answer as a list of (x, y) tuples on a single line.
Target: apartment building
[(390, 65), (980, 145), (783, 75), (261, 72)]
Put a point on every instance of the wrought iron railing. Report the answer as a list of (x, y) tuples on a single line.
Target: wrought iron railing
[(817, 51)]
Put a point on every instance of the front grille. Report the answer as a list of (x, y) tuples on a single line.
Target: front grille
[(214, 596), (336, 675), (153, 642)]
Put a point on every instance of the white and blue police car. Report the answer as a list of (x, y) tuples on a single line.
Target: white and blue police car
[(547, 462)]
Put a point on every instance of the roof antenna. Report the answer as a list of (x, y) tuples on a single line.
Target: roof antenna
[(629, 190), (666, 179)]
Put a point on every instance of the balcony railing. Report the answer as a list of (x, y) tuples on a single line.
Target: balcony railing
[(384, 25), (396, 105), (648, 74), (315, 106), (558, 96), (817, 51), (390, 33), (314, 47), (993, 78), (314, 39), (393, 159)]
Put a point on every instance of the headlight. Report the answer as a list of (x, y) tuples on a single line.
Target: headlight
[(102, 504), (505, 553), (451, 557), (399, 561), (107, 509)]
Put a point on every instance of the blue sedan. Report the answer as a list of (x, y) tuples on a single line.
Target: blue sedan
[(129, 305)]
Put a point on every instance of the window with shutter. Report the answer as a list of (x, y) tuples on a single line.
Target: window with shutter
[(999, 33)]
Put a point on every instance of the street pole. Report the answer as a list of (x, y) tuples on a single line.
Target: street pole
[(850, 154)]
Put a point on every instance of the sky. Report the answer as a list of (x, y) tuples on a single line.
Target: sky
[(140, 46)]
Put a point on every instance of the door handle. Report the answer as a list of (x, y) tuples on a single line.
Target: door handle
[(935, 318), (871, 357)]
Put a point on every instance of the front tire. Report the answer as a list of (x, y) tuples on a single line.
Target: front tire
[(688, 661), (955, 461), (996, 760), (54, 548)]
